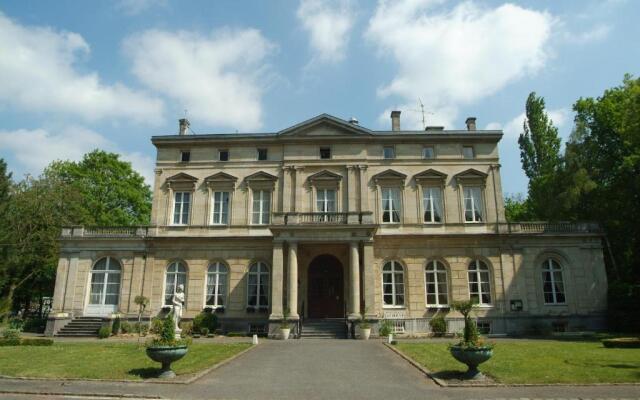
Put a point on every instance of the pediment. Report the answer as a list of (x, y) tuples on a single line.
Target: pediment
[(221, 177), (430, 175), (261, 176), (389, 175), (325, 125), (324, 176), (471, 174), (182, 177)]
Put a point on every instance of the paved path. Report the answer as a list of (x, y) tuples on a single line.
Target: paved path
[(315, 370)]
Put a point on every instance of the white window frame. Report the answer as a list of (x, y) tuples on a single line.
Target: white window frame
[(219, 272), (216, 217), (427, 190), (261, 271), (112, 267), (392, 207), (394, 285), (480, 267), (435, 271), (474, 207), (264, 213), (183, 220), (547, 267), (166, 301), (322, 200)]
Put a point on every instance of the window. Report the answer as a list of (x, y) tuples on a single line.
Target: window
[(220, 208), (473, 204), (388, 152), (105, 282), (262, 154), (325, 153), (176, 276), (258, 286), (484, 327), (432, 203), (185, 156), (467, 152), (393, 284), (391, 205), (436, 284), (261, 207), (326, 200), (216, 285), (552, 282), (181, 205), (479, 282), (428, 153), (223, 155)]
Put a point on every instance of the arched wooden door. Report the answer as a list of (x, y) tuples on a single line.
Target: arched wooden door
[(325, 288)]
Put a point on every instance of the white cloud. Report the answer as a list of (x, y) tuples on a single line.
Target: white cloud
[(39, 73), (598, 33), (135, 7), (33, 150), (455, 56), (328, 24), (513, 128), (219, 78)]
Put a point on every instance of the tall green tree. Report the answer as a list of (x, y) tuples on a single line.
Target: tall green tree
[(114, 193)]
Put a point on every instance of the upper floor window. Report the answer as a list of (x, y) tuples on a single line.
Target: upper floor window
[(432, 203), (428, 153), (261, 207), (220, 208), (216, 284), (436, 284), (325, 153), (181, 206), (258, 286), (391, 205), (326, 200), (185, 156), (467, 152), (479, 282), (552, 282), (388, 152), (473, 204), (262, 154), (223, 155), (176, 276), (393, 284)]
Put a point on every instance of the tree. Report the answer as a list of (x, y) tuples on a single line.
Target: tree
[(517, 208), (114, 194)]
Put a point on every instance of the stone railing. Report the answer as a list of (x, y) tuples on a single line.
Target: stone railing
[(553, 227), (105, 231), (320, 218)]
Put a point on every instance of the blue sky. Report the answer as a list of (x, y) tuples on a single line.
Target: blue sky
[(76, 75)]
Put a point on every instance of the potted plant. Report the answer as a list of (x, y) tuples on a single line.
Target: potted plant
[(165, 348), (365, 328), (471, 350), (285, 328)]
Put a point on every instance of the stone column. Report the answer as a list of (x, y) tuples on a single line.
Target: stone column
[(298, 201), (364, 189), (70, 286), (277, 276), (354, 264), (352, 188), (371, 305), (293, 280), (287, 189)]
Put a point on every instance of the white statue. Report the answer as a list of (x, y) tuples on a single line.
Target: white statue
[(178, 301)]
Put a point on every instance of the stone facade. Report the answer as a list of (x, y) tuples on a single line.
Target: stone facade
[(328, 187)]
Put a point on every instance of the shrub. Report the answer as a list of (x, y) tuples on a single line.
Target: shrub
[(16, 323), (115, 329), (205, 319), (622, 343), (126, 327), (156, 326), (36, 342), (385, 328), (104, 332), (236, 334), (167, 335), (11, 333), (438, 325), (9, 342), (187, 328), (143, 329), (204, 331), (34, 324)]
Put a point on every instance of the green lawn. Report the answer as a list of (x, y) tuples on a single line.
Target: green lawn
[(105, 360), (538, 361)]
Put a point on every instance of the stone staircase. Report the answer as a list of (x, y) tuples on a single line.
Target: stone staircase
[(81, 327), (324, 329)]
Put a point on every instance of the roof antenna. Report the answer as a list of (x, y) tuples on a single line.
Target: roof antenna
[(422, 112)]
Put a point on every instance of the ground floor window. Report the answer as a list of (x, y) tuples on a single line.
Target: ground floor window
[(393, 284), (436, 284), (552, 282), (176, 276), (216, 284), (479, 282), (258, 286)]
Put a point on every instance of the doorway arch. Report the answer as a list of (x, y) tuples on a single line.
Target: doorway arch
[(325, 287)]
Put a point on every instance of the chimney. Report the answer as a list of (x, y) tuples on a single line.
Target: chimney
[(354, 121), (395, 120), (471, 123), (184, 126)]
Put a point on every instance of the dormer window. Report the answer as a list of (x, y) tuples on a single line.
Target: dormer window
[(388, 152), (185, 156), (325, 153), (262, 154), (223, 155)]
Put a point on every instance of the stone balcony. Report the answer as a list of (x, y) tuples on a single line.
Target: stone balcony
[(320, 218)]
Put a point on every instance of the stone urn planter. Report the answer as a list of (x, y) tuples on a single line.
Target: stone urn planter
[(284, 333), (365, 333), (471, 357), (166, 355)]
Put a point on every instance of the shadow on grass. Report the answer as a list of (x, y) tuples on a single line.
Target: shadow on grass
[(145, 373)]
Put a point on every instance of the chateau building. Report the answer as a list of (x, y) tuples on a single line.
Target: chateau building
[(330, 220)]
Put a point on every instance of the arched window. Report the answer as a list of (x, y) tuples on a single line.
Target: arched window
[(216, 284), (552, 282), (258, 286), (393, 284), (105, 286), (479, 282), (176, 275), (436, 284)]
